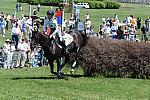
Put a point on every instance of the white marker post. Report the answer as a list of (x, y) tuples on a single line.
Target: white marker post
[(30, 10)]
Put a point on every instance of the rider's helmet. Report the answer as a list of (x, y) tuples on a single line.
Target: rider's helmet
[(50, 12)]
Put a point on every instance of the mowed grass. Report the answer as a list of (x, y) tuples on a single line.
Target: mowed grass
[(39, 84)]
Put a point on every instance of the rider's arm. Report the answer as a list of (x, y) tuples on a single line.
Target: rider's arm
[(56, 30)]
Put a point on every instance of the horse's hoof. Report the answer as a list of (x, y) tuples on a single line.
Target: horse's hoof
[(59, 76), (61, 73), (54, 73)]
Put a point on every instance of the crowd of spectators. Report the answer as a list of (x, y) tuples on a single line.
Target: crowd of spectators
[(130, 29), (16, 52)]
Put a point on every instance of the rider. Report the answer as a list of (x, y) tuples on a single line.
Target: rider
[(51, 23)]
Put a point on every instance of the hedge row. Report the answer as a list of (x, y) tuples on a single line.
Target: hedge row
[(42, 2), (115, 58), (94, 4)]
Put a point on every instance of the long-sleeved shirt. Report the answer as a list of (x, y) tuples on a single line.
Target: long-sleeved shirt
[(51, 23)]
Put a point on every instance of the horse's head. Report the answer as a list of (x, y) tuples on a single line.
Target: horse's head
[(35, 38)]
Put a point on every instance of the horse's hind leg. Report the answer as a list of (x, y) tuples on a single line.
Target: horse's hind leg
[(75, 62)]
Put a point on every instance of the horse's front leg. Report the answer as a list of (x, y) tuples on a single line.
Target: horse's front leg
[(60, 65), (52, 68)]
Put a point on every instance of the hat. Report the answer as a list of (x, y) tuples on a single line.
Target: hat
[(7, 40)]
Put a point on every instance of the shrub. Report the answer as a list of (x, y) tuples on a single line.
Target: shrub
[(112, 5), (42, 2), (94, 4), (115, 58)]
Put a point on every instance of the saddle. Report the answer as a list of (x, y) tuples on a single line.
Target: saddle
[(67, 38)]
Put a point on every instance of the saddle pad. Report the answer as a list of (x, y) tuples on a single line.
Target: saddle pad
[(68, 39)]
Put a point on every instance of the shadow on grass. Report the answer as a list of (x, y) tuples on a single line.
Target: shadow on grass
[(65, 76)]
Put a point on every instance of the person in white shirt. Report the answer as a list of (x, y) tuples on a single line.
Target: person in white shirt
[(14, 33), (87, 16), (107, 31), (23, 48), (6, 49), (38, 7), (11, 55), (71, 24), (88, 24)]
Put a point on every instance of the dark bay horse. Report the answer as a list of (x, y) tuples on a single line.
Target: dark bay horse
[(52, 50)]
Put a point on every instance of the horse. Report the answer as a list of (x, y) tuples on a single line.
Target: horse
[(53, 51)]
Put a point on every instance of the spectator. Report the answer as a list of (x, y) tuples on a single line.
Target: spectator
[(2, 26), (24, 29), (147, 21), (12, 20), (144, 33), (120, 33), (132, 33), (8, 18), (88, 24), (12, 51), (17, 7), (103, 20), (114, 31), (126, 33), (138, 23), (100, 31), (23, 48), (14, 33), (71, 23), (87, 16), (20, 7), (6, 49), (107, 31), (38, 7)]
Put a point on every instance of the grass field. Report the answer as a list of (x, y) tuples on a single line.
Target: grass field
[(39, 84)]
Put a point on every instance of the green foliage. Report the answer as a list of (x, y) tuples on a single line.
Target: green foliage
[(112, 5), (42, 2), (98, 4), (94, 4)]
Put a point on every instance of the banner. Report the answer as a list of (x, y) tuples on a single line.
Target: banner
[(58, 15)]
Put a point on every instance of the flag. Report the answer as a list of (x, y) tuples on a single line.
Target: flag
[(58, 15)]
